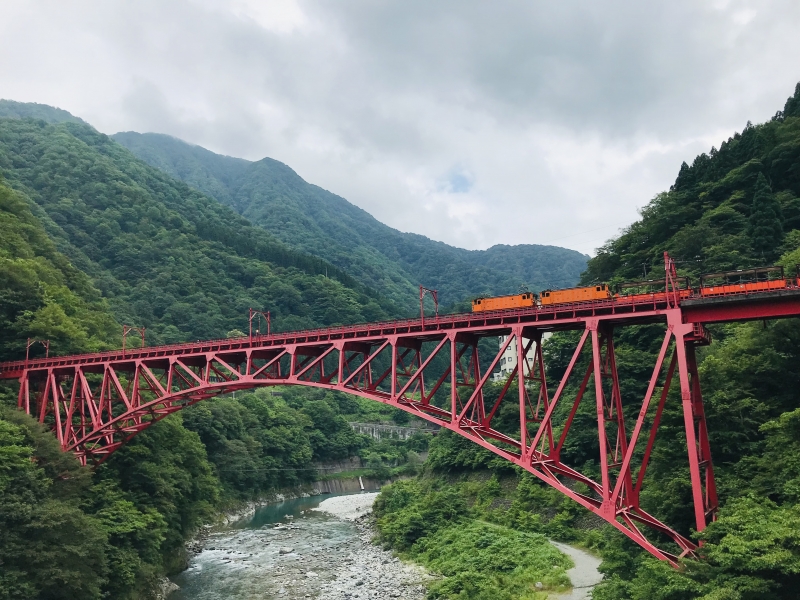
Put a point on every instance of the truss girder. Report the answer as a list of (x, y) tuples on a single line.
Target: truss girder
[(95, 407)]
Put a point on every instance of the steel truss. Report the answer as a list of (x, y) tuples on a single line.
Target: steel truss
[(96, 406)]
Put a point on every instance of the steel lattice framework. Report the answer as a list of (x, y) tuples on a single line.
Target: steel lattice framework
[(432, 369)]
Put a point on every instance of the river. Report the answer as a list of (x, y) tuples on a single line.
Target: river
[(291, 550)]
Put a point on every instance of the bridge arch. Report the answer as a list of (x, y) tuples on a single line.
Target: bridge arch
[(434, 371)]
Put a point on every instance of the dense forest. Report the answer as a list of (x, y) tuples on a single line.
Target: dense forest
[(309, 218), (164, 256), (735, 207)]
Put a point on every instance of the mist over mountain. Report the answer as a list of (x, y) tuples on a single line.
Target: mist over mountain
[(9, 109)]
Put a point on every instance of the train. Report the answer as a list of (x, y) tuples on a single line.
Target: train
[(711, 285)]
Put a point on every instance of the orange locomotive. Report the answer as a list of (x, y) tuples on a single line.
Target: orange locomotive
[(579, 294), (525, 300)]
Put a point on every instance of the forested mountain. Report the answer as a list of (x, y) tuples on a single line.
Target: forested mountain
[(10, 109), (734, 207), (164, 256), (90, 238), (42, 296), (307, 217)]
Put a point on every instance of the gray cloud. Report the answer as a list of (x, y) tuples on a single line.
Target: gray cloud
[(474, 123)]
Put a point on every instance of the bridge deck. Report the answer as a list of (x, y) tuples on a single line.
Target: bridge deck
[(732, 307)]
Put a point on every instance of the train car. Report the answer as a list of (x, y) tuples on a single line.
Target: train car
[(524, 300), (634, 292), (598, 291), (761, 279)]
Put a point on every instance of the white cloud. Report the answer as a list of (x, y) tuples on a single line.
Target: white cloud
[(473, 123)]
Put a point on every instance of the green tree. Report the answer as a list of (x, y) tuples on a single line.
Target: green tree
[(50, 549), (766, 221)]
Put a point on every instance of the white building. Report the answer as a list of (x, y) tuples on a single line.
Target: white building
[(509, 358)]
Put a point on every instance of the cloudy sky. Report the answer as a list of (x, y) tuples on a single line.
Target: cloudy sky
[(471, 122)]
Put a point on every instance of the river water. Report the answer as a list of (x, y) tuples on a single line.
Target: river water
[(254, 559), (290, 551)]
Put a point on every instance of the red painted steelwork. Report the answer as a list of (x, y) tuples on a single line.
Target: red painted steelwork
[(97, 402)]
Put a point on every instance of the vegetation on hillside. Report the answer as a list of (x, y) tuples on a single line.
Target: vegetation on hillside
[(309, 218), (479, 523), (42, 296), (165, 256)]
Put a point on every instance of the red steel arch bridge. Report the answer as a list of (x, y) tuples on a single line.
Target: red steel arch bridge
[(431, 368)]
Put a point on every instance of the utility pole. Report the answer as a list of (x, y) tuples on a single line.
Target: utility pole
[(423, 291), (126, 329), (31, 342), (258, 315)]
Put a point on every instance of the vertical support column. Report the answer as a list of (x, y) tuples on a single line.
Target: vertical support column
[(421, 377), (592, 325), (370, 385), (543, 401), (292, 361), (453, 378), (134, 397), (701, 471), (476, 369), (44, 397), (710, 501), (58, 399), (24, 398), (616, 413), (393, 372), (523, 404), (170, 371), (340, 364)]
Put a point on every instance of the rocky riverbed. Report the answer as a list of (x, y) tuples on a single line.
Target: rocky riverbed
[(302, 548), (368, 571), (316, 548)]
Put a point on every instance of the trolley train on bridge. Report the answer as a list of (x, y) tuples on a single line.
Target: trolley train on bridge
[(711, 285)]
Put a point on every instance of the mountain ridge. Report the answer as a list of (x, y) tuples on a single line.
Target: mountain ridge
[(272, 195)]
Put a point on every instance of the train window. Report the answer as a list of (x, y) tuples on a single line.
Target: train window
[(598, 288)]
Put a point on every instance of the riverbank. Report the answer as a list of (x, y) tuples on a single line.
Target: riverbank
[(316, 547), (369, 571), (323, 487), (291, 550), (584, 576)]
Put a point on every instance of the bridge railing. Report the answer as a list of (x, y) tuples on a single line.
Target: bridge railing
[(441, 322), (429, 325)]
